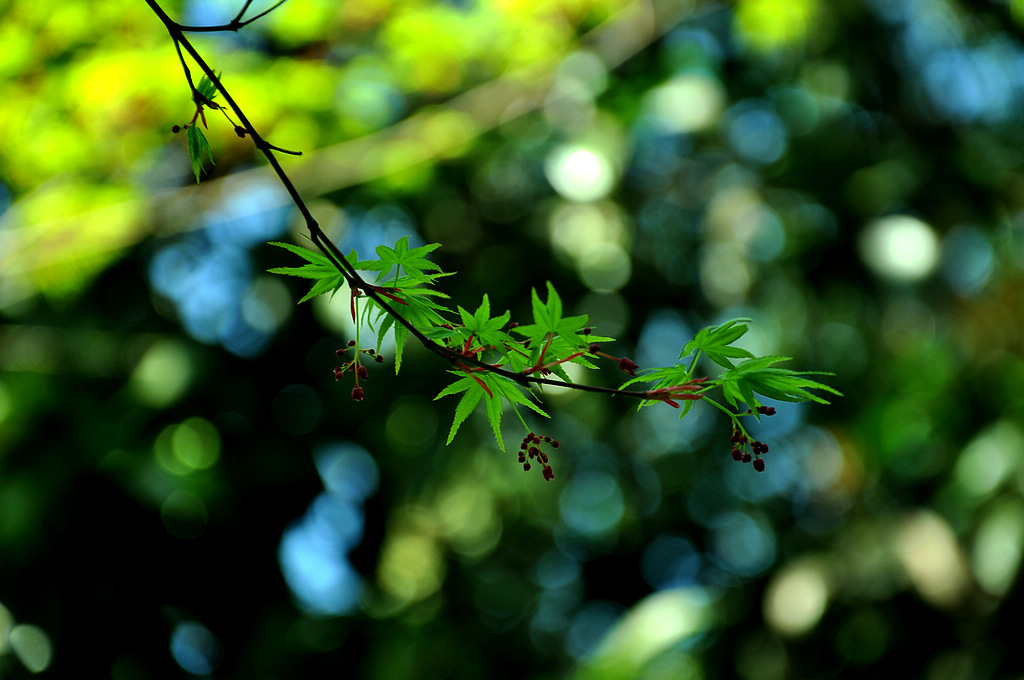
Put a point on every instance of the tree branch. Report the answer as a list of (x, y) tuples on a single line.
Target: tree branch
[(233, 25), (320, 239)]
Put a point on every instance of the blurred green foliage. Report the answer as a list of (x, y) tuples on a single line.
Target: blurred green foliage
[(185, 489)]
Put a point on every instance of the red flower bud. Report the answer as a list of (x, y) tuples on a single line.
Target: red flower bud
[(759, 465), (357, 394)]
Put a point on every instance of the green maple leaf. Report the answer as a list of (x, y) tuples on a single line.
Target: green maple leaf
[(208, 91), (761, 376), (471, 391), (318, 267), (483, 329), (716, 343), (494, 390), (560, 335), (412, 261), (422, 312)]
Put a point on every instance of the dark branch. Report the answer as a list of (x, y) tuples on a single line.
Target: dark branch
[(233, 25)]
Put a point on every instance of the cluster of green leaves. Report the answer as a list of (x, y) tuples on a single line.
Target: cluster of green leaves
[(500, 364), (740, 382), (411, 274), (541, 348)]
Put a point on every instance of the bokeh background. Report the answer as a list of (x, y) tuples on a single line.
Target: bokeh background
[(185, 490)]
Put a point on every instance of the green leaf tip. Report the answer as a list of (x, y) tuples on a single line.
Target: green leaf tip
[(207, 91), (197, 146), (327, 278)]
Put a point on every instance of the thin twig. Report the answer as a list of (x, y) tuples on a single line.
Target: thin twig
[(235, 24)]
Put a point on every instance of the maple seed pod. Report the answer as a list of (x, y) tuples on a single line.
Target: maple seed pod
[(628, 365)]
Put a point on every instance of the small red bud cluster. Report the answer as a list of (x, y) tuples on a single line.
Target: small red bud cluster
[(740, 442), (353, 365), (531, 449), (626, 365)]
